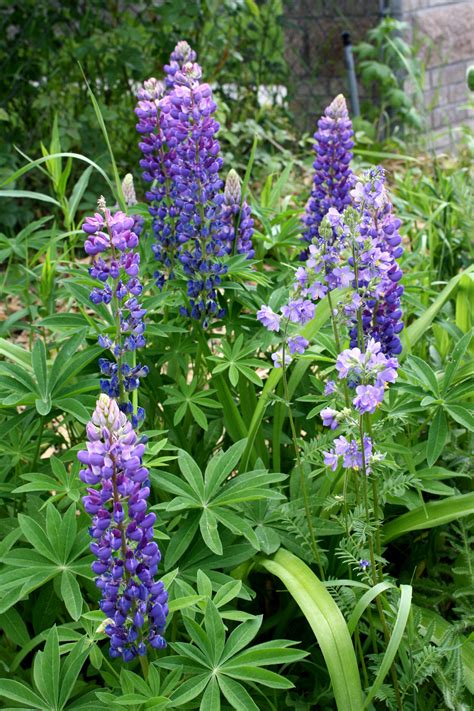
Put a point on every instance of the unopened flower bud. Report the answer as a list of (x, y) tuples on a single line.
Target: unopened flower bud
[(128, 190), (233, 190)]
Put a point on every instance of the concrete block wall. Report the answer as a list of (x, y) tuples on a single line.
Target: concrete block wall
[(445, 28), (442, 29)]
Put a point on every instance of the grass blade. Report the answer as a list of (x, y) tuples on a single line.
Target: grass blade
[(327, 623), (433, 514), (395, 640)]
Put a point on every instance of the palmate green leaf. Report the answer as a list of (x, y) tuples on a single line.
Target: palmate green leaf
[(327, 623), (211, 700), (209, 532), (462, 415), (188, 690), (250, 486), (215, 631), (40, 369), (278, 651), (46, 669), (37, 537), (227, 592), (257, 674), (437, 436), (237, 524), (191, 473), (236, 694), (73, 407), (221, 466), (198, 415), (181, 540), (70, 670), (15, 353), (14, 627), (241, 637), (63, 358), (424, 374), (22, 694), (432, 514), (181, 603), (64, 322), (71, 594), (21, 375)]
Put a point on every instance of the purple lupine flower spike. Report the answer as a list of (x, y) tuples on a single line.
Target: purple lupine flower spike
[(333, 175), (381, 314), (112, 241), (190, 131), (126, 556)]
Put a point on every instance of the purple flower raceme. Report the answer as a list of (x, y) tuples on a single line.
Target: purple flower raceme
[(195, 224), (349, 452), (361, 260), (378, 228), (127, 558), (369, 373), (333, 176), (111, 240)]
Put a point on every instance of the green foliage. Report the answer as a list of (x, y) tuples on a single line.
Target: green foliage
[(385, 63), (246, 509)]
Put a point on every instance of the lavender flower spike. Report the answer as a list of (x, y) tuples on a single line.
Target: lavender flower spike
[(126, 556), (333, 176)]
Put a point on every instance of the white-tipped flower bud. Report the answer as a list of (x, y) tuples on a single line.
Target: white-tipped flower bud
[(128, 190), (233, 190)]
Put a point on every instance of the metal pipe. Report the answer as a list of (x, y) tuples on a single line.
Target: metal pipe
[(351, 75)]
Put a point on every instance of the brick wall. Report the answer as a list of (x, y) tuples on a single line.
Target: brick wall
[(446, 30), (442, 29)]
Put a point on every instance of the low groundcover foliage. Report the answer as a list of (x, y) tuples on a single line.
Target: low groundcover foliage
[(235, 432)]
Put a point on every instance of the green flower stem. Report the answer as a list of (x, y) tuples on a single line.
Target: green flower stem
[(144, 666), (378, 601), (378, 539), (304, 488), (338, 344), (116, 312)]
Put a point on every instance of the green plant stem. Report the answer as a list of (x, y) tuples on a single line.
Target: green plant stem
[(38, 444), (378, 601), (299, 464), (338, 345), (144, 666), (378, 540)]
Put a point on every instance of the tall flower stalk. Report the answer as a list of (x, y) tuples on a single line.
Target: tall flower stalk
[(332, 180), (118, 485), (196, 224)]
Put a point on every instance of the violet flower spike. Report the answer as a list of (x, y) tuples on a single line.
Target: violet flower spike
[(112, 241), (333, 176), (126, 556)]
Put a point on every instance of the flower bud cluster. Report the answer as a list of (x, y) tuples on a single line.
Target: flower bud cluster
[(126, 556)]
